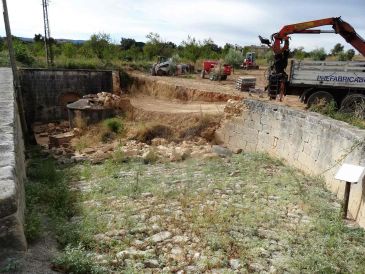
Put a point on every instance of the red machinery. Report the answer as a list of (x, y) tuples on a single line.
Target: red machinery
[(250, 61), (277, 74), (215, 70)]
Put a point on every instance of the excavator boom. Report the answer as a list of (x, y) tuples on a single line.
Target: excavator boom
[(339, 26)]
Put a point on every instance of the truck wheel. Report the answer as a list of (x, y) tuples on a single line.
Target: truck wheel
[(223, 77), (354, 103), (202, 74), (320, 98)]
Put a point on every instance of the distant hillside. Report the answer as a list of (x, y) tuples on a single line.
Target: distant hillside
[(61, 40)]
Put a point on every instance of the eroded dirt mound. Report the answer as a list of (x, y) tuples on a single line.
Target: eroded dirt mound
[(161, 89)]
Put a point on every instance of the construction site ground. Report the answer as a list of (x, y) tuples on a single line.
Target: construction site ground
[(195, 82), (160, 197)]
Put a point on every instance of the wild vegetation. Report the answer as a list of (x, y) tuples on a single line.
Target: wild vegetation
[(101, 52), (245, 213)]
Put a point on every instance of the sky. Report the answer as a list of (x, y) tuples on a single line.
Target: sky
[(225, 21)]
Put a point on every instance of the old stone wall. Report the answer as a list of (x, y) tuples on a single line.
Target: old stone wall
[(309, 141), (12, 168), (46, 92)]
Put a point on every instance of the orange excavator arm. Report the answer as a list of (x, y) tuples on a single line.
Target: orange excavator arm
[(339, 26)]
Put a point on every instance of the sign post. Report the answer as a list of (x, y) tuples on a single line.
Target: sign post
[(351, 174)]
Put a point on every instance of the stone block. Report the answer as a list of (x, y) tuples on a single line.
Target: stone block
[(8, 197)]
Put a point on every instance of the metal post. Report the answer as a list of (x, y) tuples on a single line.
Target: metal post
[(346, 199), (17, 88)]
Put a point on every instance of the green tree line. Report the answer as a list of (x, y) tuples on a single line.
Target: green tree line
[(100, 52)]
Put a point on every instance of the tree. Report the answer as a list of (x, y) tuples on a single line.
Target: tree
[(157, 47), (69, 50), (337, 49), (100, 44), (318, 54), (38, 38), (22, 53), (226, 48), (127, 43), (350, 54), (191, 49), (234, 57), (299, 53), (346, 56)]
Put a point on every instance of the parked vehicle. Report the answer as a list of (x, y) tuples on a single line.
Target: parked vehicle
[(215, 70), (250, 61), (324, 81), (164, 66)]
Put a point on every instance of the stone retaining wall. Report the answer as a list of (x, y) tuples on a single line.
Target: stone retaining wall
[(46, 92), (12, 168), (309, 141)]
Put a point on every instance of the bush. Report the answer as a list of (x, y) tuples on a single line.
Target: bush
[(147, 133), (234, 58), (76, 260), (114, 125), (318, 54), (22, 53)]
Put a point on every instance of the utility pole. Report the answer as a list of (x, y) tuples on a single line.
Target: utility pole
[(17, 88), (47, 35)]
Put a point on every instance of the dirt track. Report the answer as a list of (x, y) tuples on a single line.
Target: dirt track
[(152, 104), (184, 94)]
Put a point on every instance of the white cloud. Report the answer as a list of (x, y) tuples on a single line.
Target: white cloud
[(232, 21)]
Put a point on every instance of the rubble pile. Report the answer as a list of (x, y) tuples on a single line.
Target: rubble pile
[(109, 100), (233, 108), (160, 150)]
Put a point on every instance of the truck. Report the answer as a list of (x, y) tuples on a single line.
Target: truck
[(215, 70), (321, 81)]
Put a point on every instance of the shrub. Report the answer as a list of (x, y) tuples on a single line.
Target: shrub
[(318, 54), (114, 125), (22, 53), (76, 260), (234, 58), (147, 133)]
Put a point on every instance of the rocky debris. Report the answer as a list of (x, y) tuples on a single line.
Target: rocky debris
[(109, 100), (221, 151), (233, 108), (159, 142), (132, 253), (234, 264), (152, 263), (61, 139), (159, 237)]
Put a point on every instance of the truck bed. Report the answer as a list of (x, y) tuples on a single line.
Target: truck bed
[(328, 74)]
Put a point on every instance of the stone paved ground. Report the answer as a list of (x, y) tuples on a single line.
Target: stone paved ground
[(247, 213)]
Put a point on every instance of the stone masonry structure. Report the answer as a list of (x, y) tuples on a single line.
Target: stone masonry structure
[(12, 168), (46, 92), (309, 141)]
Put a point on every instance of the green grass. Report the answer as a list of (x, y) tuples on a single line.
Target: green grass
[(238, 209)]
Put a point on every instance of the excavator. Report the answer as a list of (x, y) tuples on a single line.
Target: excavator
[(279, 43)]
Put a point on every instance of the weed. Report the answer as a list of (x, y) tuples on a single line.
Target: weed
[(330, 110), (147, 133), (201, 128), (151, 157), (118, 156), (83, 142), (46, 192), (32, 225), (76, 260), (114, 125)]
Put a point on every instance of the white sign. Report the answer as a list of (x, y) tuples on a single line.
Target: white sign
[(350, 173)]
